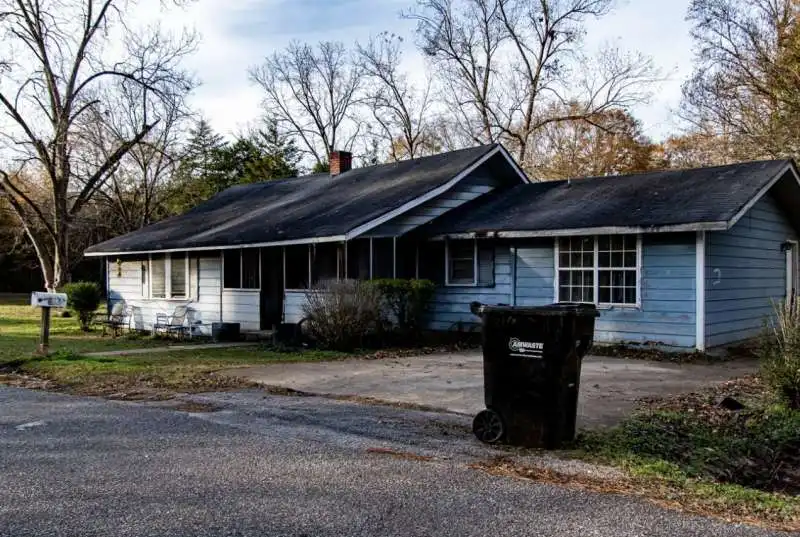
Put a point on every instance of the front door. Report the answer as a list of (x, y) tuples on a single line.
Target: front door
[(271, 287)]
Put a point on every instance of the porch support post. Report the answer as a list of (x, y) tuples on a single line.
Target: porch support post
[(309, 266), (394, 257), (345, 260), (370, 258), (283, 262), (700, 291)]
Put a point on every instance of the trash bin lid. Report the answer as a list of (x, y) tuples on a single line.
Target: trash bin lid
[(558, 310)]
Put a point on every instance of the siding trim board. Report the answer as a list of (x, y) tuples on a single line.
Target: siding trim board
[(700, 291)]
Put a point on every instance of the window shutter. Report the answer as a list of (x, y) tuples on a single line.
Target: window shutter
[(485, 266)]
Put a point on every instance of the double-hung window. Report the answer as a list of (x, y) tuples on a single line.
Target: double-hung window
[(169, 275), (468, 262), (602, 270)]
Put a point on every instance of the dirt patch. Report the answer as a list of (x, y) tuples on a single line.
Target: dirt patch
[(691, 498), (25, 381)]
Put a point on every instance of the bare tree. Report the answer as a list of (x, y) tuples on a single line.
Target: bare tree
[(61, 69), (311, 92), (746, 84), (400, 109), (134, 194), (510, 67)]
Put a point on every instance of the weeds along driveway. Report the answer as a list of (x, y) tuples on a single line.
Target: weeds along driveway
[(454, 382)]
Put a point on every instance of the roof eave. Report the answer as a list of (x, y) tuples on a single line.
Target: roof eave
[(604, 230), (310, 240)]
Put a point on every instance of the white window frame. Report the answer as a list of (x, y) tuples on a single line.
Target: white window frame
[(241, 272), (596, 270), (168, 277), (475, 266)]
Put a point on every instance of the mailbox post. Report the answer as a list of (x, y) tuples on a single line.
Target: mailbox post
[(46, 301)]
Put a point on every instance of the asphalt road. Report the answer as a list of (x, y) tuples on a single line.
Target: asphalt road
[(280, 466)]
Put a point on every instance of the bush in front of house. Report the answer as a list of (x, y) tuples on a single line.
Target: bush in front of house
[(83, 298), (406, 300), (780, 353), (339, 314)]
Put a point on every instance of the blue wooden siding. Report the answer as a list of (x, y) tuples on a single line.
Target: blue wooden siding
[(476, 184), (667, 313), (745, 273), (450, 305)]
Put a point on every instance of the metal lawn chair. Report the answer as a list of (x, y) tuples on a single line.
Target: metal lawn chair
[(174, 324), (117, 319)]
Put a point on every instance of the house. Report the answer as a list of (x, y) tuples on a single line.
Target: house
[(677, 258)]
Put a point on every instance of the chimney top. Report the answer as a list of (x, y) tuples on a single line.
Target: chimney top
[(340, 162)]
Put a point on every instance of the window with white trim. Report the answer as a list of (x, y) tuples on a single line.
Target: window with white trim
[(461, 262), (599, 270), (169, 276)]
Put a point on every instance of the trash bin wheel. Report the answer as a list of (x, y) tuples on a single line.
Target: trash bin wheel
[(488, 426)]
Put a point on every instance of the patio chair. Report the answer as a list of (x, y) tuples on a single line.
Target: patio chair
[(117, 319), (174, 324)]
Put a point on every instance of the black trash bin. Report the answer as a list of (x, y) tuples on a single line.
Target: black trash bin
[(532, 366)]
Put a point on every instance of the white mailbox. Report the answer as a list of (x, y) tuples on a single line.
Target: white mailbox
[(49, 300)]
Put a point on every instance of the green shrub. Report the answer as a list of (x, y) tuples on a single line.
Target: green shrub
[(83, 298), (339, 314), (780, 353), (407, 300)]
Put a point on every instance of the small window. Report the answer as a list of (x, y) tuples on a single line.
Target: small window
[(178, 276), (158, 277), (232, 269), (297, 266), (599, 270), (461, 262)]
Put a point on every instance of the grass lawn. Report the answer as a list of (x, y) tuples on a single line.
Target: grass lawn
[(151, 375), (690, 452)]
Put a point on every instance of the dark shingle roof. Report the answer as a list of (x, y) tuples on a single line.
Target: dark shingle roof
[(299, 208), (644, 201)]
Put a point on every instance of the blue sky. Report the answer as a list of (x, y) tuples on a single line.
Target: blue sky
[(239, 33)]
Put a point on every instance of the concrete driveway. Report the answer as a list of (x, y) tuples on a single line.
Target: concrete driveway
[(609, 390)]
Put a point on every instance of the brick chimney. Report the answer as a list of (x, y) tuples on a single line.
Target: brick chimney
[(340, 162)]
